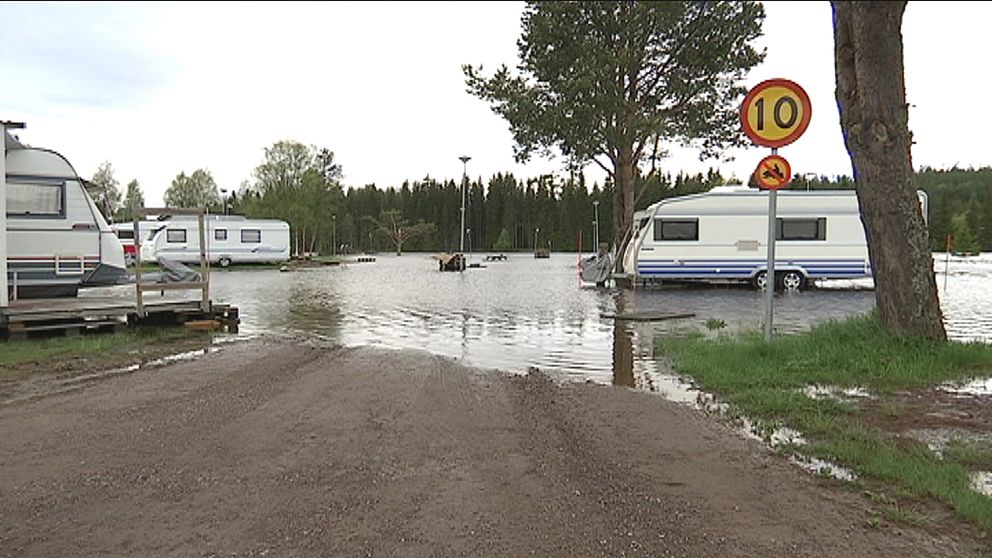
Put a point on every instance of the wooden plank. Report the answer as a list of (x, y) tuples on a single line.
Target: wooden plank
[(646, 316)]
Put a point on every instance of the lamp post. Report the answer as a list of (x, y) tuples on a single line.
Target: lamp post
[(595, 233), (223, 198), (370, 244), (536, 232), (469, 233), (464, 159), (334, 235)]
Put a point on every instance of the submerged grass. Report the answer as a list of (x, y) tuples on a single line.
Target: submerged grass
[(16, 355), (765, 381)]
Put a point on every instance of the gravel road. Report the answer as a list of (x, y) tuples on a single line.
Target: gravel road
[(284, 448)]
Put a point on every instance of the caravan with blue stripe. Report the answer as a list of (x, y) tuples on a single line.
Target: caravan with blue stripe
[(721, 236)]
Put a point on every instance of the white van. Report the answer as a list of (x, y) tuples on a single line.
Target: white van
[(722, 236), (57, 239), (230, 239)]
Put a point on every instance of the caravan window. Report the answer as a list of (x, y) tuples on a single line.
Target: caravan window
[(35, 200), (251, 236), (801, 229), (125, 234), (220, 234), (175, 235), (676, 229)]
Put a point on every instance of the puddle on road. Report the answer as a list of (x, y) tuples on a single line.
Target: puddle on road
[(836, 393), (981, 387), (981, 482)]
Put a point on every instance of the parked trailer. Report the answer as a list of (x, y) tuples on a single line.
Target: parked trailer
[(721, 236), (57, 239), (230, 239), (125, 232)]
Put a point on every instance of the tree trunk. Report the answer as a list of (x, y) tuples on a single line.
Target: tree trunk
[(871, 97), (623, 197)]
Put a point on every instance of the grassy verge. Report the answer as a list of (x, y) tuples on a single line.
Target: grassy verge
[(765, 381), (93, 351)]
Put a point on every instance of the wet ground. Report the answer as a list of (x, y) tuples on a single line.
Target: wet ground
[(281, 448)]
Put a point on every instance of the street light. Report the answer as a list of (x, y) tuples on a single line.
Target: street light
[(536, 231), (464, 159), (595, 234), (334, 235), (223, 195)]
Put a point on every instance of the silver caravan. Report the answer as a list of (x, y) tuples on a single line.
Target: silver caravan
[(721, 236), (229, 239), (57, 240)]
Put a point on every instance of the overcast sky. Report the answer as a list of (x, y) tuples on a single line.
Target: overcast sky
[(156, 89)]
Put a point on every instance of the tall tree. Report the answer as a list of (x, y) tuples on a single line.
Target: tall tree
[(301, 185), (871, 96), (133, 199), (613, 82), (399, 230), (105, 190), (197, 190)]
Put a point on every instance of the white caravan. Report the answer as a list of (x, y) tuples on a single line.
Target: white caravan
[(125, 232), (57, 240), (722, 235), (230, 239)]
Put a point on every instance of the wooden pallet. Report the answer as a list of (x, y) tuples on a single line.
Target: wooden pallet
[(71, 316)]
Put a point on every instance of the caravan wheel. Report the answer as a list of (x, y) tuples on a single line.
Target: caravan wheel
[(760, 281), (224, 262), (793, 281)]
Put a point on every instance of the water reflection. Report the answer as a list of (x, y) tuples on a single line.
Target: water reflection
[(533, 312)]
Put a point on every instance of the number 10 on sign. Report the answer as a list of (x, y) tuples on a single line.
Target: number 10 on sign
[(775, 113)]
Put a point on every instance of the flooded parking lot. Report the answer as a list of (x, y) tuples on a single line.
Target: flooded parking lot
[(527, 312)]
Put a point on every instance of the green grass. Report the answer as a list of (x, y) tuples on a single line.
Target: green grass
[(764, 381), (54, 349), (974, 454)]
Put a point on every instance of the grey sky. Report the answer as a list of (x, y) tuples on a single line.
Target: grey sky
[(161, 88)]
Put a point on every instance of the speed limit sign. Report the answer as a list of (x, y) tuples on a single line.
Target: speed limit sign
[(775, 113)]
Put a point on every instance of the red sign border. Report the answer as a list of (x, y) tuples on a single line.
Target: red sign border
[(757, 176), (803, 124)]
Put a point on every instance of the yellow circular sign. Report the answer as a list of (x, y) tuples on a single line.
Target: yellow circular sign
[(775, 113)]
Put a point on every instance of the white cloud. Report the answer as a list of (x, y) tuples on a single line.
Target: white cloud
[(162, 88)]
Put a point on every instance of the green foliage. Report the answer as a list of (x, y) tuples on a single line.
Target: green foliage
[(197, 190), (615, 82), (300, 185), (133, 199), (105, 190), (502, 243), (963, 239)]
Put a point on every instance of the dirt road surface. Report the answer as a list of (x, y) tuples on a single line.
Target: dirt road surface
[(281, 448)]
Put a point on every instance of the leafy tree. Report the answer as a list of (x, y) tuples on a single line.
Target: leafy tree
[(301, 185), (502, 243), (963, 238), (105, 190), (614, 82), (133, 199), (399, 230), (198, 190), (871, 96)]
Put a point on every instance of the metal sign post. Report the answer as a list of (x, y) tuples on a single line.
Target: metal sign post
[(770, 273), (775, 113)]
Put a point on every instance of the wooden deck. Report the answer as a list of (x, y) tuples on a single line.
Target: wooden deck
[(88, 313)]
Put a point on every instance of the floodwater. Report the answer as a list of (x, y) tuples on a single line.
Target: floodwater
[(527, 312)]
